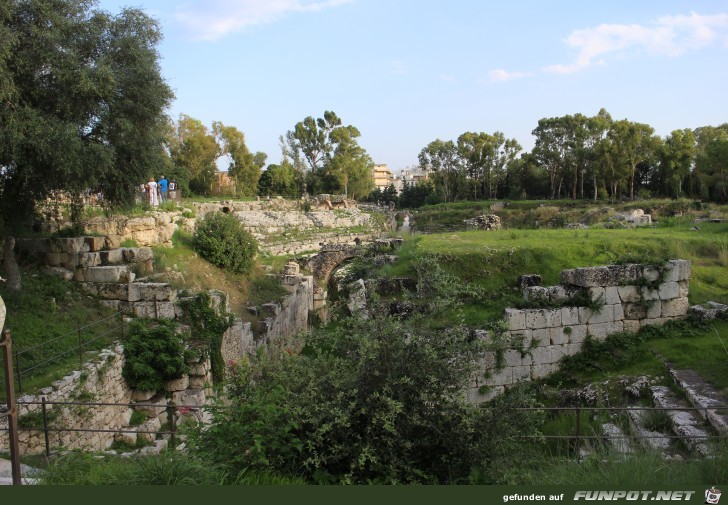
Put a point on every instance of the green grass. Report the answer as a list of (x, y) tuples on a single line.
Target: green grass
[(45, 309), (171, 468)]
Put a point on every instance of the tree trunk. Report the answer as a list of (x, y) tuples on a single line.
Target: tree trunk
[(11, 266)]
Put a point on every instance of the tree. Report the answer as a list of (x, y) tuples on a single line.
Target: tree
[(711, 163), (244, 166), (553, 148), (278, 180), (676, 159), (196, 149), (634, 143), (442, 158), (336, 161), (82, 106)]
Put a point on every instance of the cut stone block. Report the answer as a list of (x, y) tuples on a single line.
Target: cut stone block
[(559, 351), (515, 319), (611, 295), (628, 293), (137, 254), (178, 384), (542, 336), (605, 315), (502, 377), (669, 290), (541, 371), (89, 259), (536, 294), (677, 307), (161, 290), (569, 316), (521, 373), (596, 294), (557, 294), (651, 273), (63, 273), (654, 309), (575, 348), (634, 311), (578, 334), (558, 336), (684, 288), (598, 331), (95, 243), (542, 355), (112, 257), (631, 326), (112, 241)]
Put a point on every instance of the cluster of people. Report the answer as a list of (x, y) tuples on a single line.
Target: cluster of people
[(157, 192)]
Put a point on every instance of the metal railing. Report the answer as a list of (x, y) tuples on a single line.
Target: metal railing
[(81, 346)]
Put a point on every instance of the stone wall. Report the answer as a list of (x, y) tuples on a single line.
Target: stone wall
[(534, 340), (100, 380)]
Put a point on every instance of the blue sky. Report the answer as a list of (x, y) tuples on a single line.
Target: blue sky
[(406, 72)]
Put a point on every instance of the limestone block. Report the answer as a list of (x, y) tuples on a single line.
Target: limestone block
[(625, 274), (598, 331), (198, 381), (524, 337), (160, 290), (649, 294), (574, 348), (95, 243), (69, 260), (63, 273), (615, 327), (148, 430), (178, 384), (129, 438), (605, 315), (618, 311), (111, 257), (541, 371), (677, 307), (631, 326), (634, 311), (142, 396), (137, 254), (536, 294), (578, 333), (596, 276), (557, 294), (684, 288), (542, 336), (611, 295), (654, 309), (669, 290), (558, 336), (72, 245), (515, 319), (542, 355), (105, 274), (584, 314), (651, 273), (291, 268), (597, 294), (569, 316), (559, 351), (89, 259), (628, 293), (112, 304), (200, 368), (502, 377), (487, 361), (513, 358), (112, 241), (678, 270), (272, 308), (290, 280), (521, 373)]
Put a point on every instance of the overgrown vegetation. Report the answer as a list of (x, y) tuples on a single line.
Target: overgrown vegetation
[(154, 354), (221, 239), (207, 328)]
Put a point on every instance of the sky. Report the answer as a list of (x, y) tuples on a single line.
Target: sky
[(407, 72)]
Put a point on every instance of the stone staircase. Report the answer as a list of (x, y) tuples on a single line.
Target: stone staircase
[(106, 270), (694, 417)]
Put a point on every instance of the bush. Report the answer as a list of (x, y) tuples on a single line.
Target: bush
[(222, 240), (154, 354)]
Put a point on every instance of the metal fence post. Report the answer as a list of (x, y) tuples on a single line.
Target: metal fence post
[(17, 372), (45, 428), (170, 419), (12, 413), (578, 431)]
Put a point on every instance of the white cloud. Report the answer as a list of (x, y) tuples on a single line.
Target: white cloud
[(500, 75), (669, 36), (214, 19)]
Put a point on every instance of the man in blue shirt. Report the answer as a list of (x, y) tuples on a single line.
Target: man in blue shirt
[(163, 188)]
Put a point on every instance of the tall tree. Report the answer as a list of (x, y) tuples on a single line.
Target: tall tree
[(197, 150), (553, 148), (82, 105), (634, 144), (677, 157), (711, 163), (441, 157), (244, 167)]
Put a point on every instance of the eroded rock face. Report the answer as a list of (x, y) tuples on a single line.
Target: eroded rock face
[(484, 222)]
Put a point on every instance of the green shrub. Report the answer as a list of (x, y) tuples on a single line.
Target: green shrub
[(222, 240), (154, 354)]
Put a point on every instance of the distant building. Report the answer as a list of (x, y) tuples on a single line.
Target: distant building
[(222, 184), (413, 175), (382, 177)]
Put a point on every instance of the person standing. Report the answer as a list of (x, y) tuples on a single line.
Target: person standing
[(163, 189), (153, 193)]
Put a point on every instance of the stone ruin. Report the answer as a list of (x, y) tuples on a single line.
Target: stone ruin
[(629, 297), (636, 217), (484, 222), (330, 202)]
